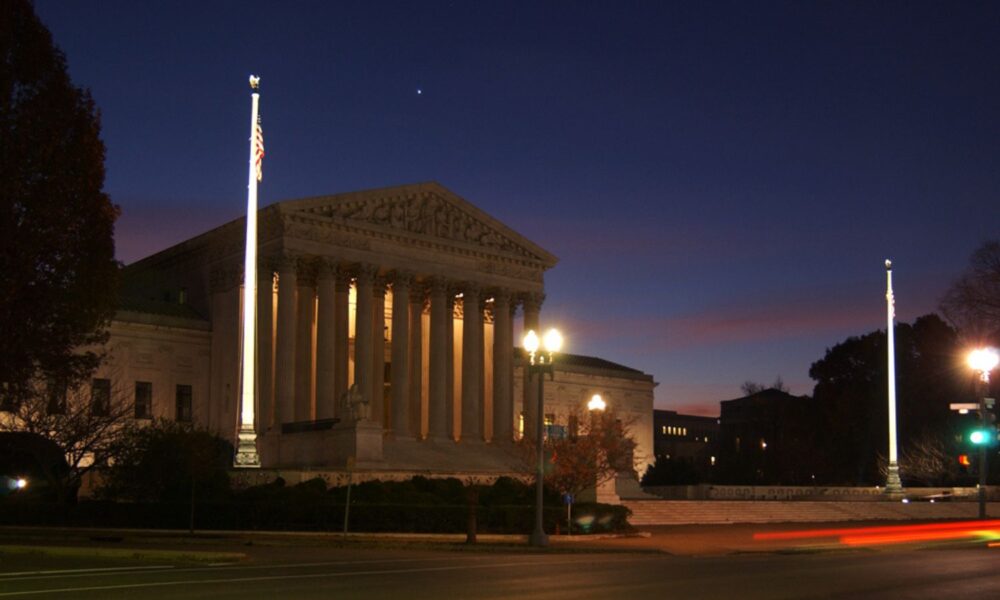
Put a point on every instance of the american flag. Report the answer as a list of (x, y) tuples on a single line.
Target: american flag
[(258, 149)]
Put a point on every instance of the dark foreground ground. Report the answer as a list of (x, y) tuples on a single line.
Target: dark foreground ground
[(679, 562)]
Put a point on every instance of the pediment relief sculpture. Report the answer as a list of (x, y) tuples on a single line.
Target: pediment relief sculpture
[(426, 214)]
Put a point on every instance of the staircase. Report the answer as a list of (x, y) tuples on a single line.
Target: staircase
[(692, 512)]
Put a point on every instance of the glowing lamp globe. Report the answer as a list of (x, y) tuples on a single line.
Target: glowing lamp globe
[(530, 341), (553, 340), (597, 403), (983, 360)]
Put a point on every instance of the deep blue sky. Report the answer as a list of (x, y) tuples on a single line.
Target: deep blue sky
[(721, 181)]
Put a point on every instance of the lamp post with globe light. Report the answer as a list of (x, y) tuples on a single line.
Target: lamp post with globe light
[(983, 360), (539, 364)]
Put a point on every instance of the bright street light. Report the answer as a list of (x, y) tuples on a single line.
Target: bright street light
[(983, 360), (596, 403)]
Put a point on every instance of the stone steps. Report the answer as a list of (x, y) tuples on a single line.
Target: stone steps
[(690, 512)]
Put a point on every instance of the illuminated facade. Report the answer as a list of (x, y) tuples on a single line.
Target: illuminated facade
[(386, 335)]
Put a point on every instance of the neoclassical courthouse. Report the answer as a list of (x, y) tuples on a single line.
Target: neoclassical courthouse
[(385, 323)]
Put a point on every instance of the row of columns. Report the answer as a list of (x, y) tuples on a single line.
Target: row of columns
[(286, 361)]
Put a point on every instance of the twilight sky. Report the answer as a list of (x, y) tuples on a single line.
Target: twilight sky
[(720, 180)]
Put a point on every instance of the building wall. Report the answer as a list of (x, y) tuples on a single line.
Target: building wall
[(568, 393), (164, 352)]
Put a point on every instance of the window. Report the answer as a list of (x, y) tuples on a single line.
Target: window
[(664, 430), (184, 403), (57, 397), (520, 426), (100, 397), (143, 400)]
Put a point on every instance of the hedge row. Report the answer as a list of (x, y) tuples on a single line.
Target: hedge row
[(419, 505)]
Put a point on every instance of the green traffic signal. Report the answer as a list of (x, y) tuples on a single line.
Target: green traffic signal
[(982, 436)]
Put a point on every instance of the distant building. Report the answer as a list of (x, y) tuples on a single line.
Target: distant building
[(767, 438), (688, 439)]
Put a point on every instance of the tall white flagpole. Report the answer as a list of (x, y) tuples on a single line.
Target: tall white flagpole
[(893, 485), (246, 451)]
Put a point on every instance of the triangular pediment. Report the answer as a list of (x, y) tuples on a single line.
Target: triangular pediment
[(426, 210)]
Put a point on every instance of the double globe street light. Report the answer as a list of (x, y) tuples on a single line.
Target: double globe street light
[(540, 363)]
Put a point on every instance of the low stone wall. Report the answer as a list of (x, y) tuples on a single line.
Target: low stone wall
[(826, 493)]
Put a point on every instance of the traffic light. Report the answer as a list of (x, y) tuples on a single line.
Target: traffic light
[(963, 460), (982, 436)]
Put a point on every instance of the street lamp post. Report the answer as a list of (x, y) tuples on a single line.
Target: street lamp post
[(539, 364), (983, 361)]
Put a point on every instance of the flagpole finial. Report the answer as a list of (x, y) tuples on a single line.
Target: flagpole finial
[(254, 82), (888, 265)]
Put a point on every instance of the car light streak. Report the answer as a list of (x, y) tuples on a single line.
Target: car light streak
[(895, 534)]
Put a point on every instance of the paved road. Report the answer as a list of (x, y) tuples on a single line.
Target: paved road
[(325, 572)]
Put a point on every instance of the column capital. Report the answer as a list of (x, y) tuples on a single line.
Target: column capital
[(284, 263), (401, 278), (306, 270), (326, 269), (501, 295), (365, 273), (531, 300), (470, 289), (438, 285)]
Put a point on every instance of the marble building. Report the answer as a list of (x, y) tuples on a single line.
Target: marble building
[(386, 322)]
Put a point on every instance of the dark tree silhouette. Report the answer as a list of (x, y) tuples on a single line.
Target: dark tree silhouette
[(972, 302), (852, 396), (58, 288)]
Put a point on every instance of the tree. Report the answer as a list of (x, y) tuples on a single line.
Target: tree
[(58, 290), (851, 393), (595, 454), (750, 388), (168, 461), (972, 303), (84, 422)]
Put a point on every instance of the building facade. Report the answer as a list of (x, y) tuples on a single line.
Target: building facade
[(386, 322)]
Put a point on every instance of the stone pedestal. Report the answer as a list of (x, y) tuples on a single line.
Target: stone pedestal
[(328, 448)]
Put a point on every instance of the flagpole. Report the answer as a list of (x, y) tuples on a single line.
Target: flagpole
[(246, 451), (893, 485)]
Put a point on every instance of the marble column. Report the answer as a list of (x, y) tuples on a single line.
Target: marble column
[(417, 297), (326, 353), (437, 403), (400, 370), (503, 348), (449, 340), (532, 307), (284, 348), (378, 352), (472, 364), (304, 344), (265, 346), (363, 332), (341, 335)]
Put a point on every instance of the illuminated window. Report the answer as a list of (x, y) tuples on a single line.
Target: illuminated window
[(684, 430), (664, 430), (520, 426), (711, 459)]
